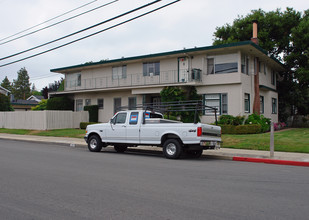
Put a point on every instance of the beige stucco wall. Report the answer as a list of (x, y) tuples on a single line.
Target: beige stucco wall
[(234, 98), (108, 111)]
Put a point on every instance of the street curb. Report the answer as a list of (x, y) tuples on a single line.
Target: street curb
[(271, 161)]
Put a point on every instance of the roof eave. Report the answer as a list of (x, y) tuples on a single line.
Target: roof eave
[(64, 70)]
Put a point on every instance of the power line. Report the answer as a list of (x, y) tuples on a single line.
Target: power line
[(48, 20), (80, 31), (70, 18), (79, 39)]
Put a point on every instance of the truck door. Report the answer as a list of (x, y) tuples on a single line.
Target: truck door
[(118, 130), (133, 128)]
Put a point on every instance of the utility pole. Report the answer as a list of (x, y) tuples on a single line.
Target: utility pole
[(272, 140)]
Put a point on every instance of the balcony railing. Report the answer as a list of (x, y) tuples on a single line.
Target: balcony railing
[(134, 80)]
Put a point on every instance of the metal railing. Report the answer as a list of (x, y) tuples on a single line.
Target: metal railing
[(133, 80)]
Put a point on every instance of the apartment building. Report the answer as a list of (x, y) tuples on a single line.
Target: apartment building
[(230, 77)]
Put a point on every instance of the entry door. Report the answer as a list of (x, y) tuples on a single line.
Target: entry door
[(183, 69)]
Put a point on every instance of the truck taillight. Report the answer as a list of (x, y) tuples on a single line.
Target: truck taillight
[(199, 131)]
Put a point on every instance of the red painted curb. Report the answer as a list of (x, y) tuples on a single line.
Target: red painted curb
[(272, 161)]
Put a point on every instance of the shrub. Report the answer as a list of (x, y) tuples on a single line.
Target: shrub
[(226, 120), (83, 125), (261, 120), (93, 112), (41, 105), (60, 103), (278, 126), (241, 129), (231, 120)]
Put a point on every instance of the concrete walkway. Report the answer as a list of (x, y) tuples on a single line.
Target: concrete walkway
[(301, 159)]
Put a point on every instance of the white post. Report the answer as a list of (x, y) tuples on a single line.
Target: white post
[(272, 145)]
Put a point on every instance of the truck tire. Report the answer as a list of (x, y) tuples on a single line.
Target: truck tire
[(172, 149), (120, 148), (94, 143)]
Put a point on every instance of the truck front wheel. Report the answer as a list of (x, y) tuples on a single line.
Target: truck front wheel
[(94, 143), (172, 149)]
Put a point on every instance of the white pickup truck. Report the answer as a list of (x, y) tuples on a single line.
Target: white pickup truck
[(139, 127)]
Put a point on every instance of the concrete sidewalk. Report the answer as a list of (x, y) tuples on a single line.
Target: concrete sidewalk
[(224, 153)]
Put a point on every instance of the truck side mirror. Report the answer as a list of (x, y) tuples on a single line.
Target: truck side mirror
[(113, 121)]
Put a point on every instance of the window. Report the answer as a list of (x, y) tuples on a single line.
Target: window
[(117, 104), (245, 64), (132, 103), (218, 101), (247, 103), (226, 63), (79, 79), (119, 72), (151, 69), (265, 69), (274, 106), (79, 105), (224, 103), (262, 104), (210, 66), (101, 103), (120, 118), (273, 78), (88, 102), (133, 118)]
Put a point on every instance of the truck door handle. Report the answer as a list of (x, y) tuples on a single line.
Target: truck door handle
[(124, 126)]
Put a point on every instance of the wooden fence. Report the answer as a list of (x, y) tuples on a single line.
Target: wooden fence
[(42, 120)]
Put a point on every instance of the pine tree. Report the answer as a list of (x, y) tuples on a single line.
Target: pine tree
[(21, 86), (6, 84)]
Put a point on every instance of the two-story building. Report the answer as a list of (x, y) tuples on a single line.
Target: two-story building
[(224, 75)]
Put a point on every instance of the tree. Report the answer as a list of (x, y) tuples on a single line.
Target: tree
[(5, 104), (6, 84), (174, 94), (21, 86), (44, 92), (42, 105), (34, 91), (56, 86), (285, 35)]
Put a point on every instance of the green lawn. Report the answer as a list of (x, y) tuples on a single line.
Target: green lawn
[(291, 140), (74, 133)]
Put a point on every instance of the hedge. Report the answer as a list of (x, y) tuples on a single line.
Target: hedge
[(93, 112), (60, 103), (83, 125), (241, 129)]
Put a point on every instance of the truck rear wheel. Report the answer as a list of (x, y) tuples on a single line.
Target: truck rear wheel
[(172, 149), (120, 148), (94, 143)]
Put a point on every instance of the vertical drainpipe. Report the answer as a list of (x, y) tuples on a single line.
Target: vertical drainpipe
[(256, 102)]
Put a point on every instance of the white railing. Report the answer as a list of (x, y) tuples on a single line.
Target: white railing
[(42, 120), (167, 77)]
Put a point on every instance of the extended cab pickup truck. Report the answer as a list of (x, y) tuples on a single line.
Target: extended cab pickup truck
[(139, 127)]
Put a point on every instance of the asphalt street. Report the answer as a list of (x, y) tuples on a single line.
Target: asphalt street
[(50, 181)]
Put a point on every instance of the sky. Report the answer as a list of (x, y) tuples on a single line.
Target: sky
[(185, 24)]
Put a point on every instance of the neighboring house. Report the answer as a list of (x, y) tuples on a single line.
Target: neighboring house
[(225, 75), (4, 91), (36, 98), (23, 105)]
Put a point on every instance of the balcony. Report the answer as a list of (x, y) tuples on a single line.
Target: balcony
[(135, 80)]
